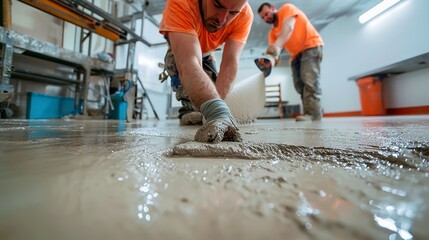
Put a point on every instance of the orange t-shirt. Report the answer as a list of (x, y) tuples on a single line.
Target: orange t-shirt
[(184, 16), (304, 35)]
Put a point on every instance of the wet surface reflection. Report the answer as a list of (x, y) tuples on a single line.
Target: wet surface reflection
[(342, 178)]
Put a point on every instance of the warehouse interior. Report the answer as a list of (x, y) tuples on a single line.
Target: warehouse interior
[(91, 146)]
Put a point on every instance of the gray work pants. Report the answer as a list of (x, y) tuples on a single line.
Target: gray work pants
[(306, 79)]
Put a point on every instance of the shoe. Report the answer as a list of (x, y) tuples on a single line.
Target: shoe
[(306, 118), (192, 118)]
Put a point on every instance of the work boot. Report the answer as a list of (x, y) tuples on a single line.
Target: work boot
[(192, 118), (307, 117)]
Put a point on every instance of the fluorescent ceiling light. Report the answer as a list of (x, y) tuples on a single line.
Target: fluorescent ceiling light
[(377, 9)]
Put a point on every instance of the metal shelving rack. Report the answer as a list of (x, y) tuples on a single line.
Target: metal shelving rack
[(80, 13)]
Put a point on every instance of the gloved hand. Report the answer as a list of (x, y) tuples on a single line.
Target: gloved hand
[(220, 125), (274, 50)]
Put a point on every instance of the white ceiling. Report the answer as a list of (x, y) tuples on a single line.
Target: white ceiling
[(320, 13)]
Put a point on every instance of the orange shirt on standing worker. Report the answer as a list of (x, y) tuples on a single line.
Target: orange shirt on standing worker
[(184, 16), (304, 35)]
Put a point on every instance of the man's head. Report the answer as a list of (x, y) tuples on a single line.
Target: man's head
[(267, 12), (219, 13)]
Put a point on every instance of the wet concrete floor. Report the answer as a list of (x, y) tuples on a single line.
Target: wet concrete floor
[(342, 178)]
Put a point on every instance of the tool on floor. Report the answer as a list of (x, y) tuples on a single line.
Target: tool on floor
[(265, 63)]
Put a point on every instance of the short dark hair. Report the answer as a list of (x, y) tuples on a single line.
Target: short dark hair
[(263, 5)]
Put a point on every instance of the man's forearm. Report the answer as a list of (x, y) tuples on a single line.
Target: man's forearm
[(229, 67), (187, 53), (227, 74), (286, 31), (197, 84)]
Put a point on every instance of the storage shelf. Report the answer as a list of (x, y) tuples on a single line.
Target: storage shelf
[(408, 65)]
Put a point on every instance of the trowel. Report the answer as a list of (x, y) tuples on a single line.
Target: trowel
[(265, 63)]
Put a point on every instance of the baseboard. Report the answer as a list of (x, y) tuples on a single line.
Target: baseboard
[(420, 110), (343, 114)]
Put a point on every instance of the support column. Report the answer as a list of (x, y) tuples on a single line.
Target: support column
[(6, 52), (6, 9)]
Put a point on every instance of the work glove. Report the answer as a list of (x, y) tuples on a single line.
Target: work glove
[(274, 50), (220, 125)]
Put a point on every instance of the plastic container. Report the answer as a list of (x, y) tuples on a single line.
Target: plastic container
[(120, 106), (371, 96), (42, 106)]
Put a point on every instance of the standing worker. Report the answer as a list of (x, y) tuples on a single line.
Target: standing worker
[(193, 29), (293, 31)]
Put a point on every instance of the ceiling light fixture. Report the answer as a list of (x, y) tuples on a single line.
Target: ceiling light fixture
[(376, 10)]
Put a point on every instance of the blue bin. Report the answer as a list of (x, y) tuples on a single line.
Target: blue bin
[(42, 106), (120, 106)]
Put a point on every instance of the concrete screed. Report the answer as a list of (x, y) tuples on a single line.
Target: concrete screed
[(342, 178)]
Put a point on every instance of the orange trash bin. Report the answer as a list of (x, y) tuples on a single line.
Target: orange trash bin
[(371, 96)]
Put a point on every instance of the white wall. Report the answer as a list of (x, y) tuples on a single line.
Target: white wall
[(281, 74), (352, 48), (147, 59), (146, 62), (407, 90)]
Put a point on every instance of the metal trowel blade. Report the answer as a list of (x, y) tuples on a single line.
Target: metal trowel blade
[(265, 67)]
